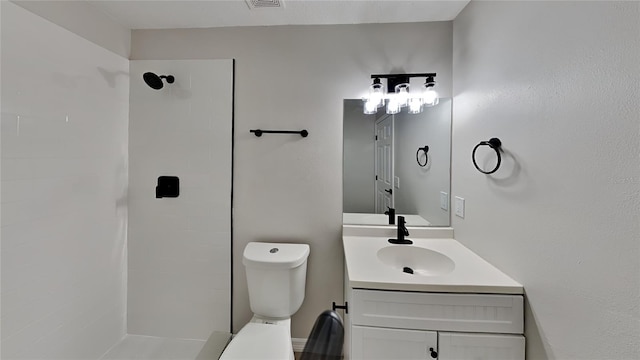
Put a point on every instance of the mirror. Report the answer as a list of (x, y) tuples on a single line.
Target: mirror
[(390, 172)]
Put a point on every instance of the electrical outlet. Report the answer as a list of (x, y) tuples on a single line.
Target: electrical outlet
[(396, 182), (459, 207), (444, 200)]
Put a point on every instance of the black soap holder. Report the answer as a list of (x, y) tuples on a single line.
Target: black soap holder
[(168, 186)]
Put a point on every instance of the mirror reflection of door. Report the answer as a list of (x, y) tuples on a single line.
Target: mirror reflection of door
[(384, 164)]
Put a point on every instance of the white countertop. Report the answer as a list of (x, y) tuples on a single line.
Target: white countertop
[(381, 219), (471, 273)]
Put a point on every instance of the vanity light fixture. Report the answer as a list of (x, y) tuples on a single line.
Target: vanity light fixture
[(375, 98), (429, 94), (397, 94)]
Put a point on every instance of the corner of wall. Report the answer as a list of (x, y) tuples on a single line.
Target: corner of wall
[(84, 20)]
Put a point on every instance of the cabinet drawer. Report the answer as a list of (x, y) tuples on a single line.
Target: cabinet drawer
[(436, 311)]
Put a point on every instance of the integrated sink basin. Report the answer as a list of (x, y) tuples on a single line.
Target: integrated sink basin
[(427, 265), (416, 260)]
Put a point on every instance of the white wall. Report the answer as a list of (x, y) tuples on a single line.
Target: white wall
[(420, 187), (83, 19), (557, 82), (358, 184), (64, 191), (288, 188), (180, 248)]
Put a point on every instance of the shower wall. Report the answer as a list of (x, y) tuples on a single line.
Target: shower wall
[(64, 182), (180, 248)]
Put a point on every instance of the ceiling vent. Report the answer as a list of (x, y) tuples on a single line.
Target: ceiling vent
[(257, 4)]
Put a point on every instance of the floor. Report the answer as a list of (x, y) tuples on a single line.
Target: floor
[(151, 348)]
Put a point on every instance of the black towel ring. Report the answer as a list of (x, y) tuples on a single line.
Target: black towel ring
[(426, 157), (496, 145)]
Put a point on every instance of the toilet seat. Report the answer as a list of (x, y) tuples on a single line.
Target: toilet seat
[(260, 341)]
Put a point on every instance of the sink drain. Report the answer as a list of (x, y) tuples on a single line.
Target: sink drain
[(407, 270)]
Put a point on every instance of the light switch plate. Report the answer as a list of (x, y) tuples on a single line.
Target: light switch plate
[(396, 182), (444, 200), (459, 207)]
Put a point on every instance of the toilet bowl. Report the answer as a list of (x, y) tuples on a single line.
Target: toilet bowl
[(276, 278)]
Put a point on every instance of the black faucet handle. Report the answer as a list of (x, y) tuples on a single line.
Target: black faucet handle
[(392, 215), (401, 225)]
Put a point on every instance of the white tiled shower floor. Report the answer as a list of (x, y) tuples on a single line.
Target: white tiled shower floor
[(149, 347)]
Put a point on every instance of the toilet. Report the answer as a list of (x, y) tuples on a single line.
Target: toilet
[(276, 277)]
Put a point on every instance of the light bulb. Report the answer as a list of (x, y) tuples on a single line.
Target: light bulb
[(370, 107), (376, 93), (415, 105), (377, 97), (429, 94), (430, 97), (393, 107), (402, 94)]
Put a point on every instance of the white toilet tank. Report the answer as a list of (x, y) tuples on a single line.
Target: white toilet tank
[(276, 277)]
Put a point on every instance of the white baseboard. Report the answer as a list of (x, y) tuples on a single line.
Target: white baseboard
[(298, 344)]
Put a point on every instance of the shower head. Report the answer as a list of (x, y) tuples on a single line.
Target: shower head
[(155, 82)]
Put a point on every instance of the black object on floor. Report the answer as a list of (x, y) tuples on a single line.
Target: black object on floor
[(326, 338)]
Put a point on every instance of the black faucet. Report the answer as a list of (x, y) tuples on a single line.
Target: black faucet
[(402, 232), (392, 215)]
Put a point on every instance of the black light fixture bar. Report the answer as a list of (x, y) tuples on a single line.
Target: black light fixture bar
[(396, 79), (386, 76)]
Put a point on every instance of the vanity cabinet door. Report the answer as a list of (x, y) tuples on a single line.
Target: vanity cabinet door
[(467, 346), (369, 343)]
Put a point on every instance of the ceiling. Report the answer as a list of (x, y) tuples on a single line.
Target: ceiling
[(172, 14)]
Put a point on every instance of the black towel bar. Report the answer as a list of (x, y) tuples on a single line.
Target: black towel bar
[(258, 132)]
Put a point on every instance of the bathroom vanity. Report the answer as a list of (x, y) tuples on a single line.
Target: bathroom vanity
[(434, 299)]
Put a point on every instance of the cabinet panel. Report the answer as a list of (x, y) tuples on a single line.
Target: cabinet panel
[(347, 317), (369, 343), (435, 311), (460, 346)]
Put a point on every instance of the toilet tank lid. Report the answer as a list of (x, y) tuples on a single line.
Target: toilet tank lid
[(275, 255)]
